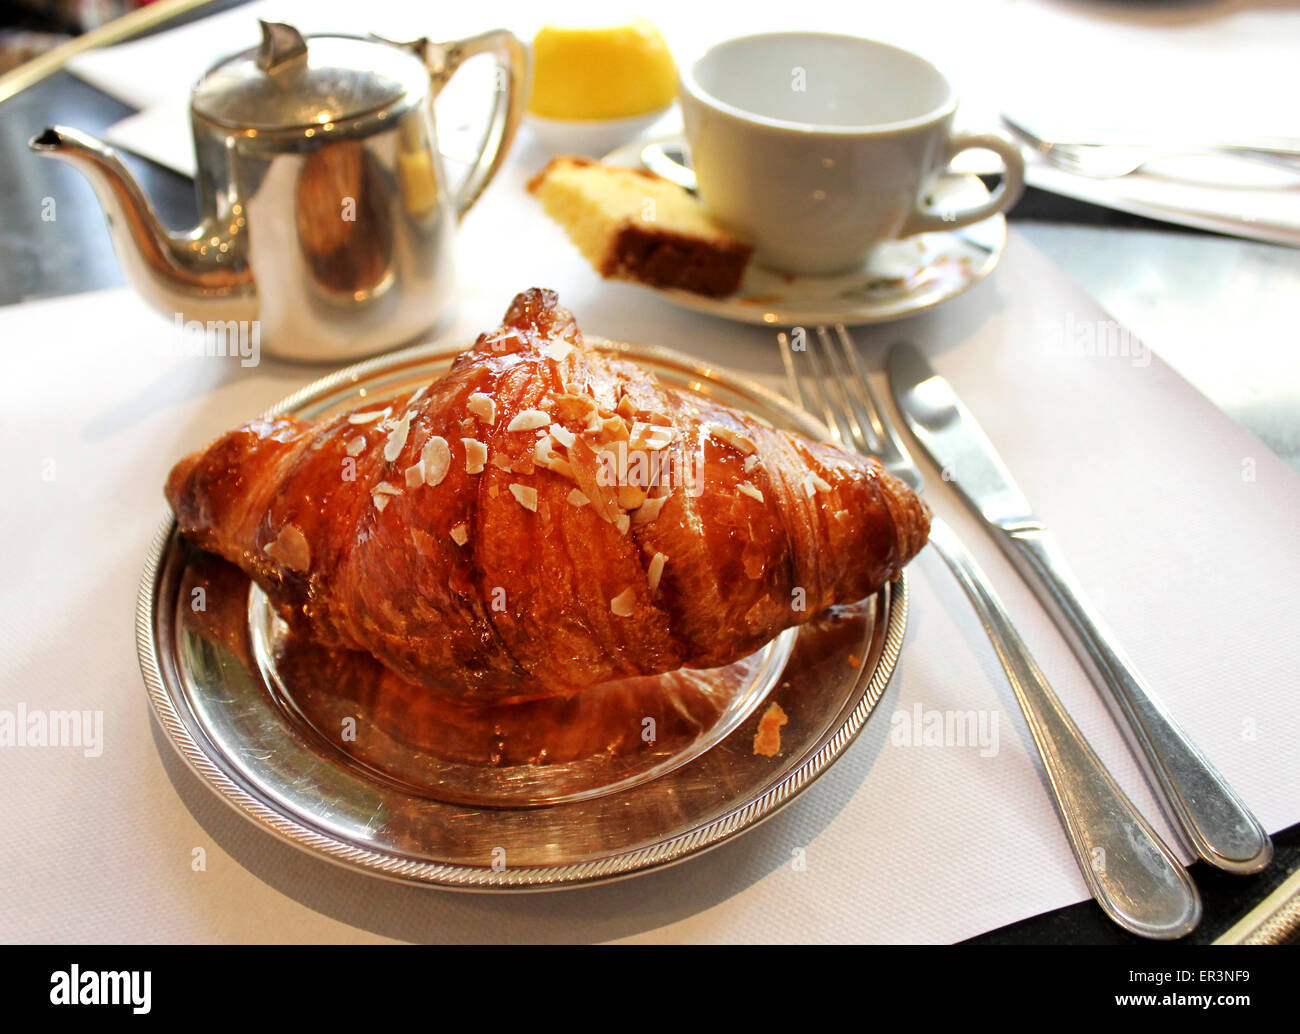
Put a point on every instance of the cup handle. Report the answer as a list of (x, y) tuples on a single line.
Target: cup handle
[(655, 157), (511, 94), (1007, 193)]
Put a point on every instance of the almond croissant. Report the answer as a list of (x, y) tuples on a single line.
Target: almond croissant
[(544, 518)]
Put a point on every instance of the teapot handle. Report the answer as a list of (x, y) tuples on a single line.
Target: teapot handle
[(510, 96)]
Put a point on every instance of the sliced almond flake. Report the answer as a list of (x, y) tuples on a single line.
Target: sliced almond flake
[(397, 439), (615, 428), (563, 435), (384, 488), (745, 488), (594, 423), (435, 458), (544, 455), (813, 483), (630, 496), (655, 571), (577, 498), (501, 461), (649, 510), (419, 394), (460, 534), (483, 406), (659, 437), (622, 522), (652, 436), (733, 438), (507, 339), (365, 418), (380, 500), (558, 349), (841, 515), (415, 475), (524, 496), (529, 420), (357, 445), (751, 461), (290, 549), (626, 407), (586, 472), (475, 455), (624, 604)]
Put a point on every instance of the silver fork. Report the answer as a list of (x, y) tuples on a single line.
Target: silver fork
[(1131, 872), (1115, 160)]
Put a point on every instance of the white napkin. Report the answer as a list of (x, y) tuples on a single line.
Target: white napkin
[(1179, 523), (1154, 73)]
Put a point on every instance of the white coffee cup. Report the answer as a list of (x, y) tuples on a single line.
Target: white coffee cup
[(818, 147)]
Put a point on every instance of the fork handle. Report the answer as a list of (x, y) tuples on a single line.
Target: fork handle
[(1289, 162), (1129, 869), (1219, 826)]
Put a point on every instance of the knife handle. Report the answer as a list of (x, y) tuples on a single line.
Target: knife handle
[(1128, 868), (1219, 826)]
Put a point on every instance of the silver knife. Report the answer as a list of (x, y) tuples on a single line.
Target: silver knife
[(1197, 799)]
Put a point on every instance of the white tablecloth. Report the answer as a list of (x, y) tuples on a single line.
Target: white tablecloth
[(1180, 525)]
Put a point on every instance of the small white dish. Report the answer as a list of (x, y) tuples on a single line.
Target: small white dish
[(591, 137), (899, 278)]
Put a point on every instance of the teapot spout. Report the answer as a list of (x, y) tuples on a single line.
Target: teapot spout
[(190, 273)]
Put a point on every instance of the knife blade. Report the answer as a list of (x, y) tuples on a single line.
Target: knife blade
[(1197, 799)]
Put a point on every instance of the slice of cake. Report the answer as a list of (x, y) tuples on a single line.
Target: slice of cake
[(634, 225)]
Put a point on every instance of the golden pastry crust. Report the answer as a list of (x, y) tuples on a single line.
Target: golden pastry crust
[(544, 518)]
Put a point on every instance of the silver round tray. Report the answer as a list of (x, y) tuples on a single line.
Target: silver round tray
[(226, 715)]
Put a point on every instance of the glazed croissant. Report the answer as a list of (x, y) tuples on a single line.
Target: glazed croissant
[(544, 518)]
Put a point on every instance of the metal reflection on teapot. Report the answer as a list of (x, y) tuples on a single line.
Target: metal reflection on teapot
[(326, 214)]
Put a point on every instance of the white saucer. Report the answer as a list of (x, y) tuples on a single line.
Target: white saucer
[(898, 279), (591, 136)]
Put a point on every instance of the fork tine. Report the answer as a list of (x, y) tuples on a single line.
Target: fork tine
[(837, 415), (853, 428), (887, 445), (1064, 157), (849, 379), (792, 377), (811, 389)]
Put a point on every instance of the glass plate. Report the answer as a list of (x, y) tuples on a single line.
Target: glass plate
[(340, 758)]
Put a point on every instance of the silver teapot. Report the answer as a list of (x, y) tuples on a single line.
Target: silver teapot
[(327, 222)]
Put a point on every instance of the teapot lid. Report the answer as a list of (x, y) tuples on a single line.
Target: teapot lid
[(291, 82)]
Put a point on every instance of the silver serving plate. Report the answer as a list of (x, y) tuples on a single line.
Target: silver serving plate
[(232, 715)]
